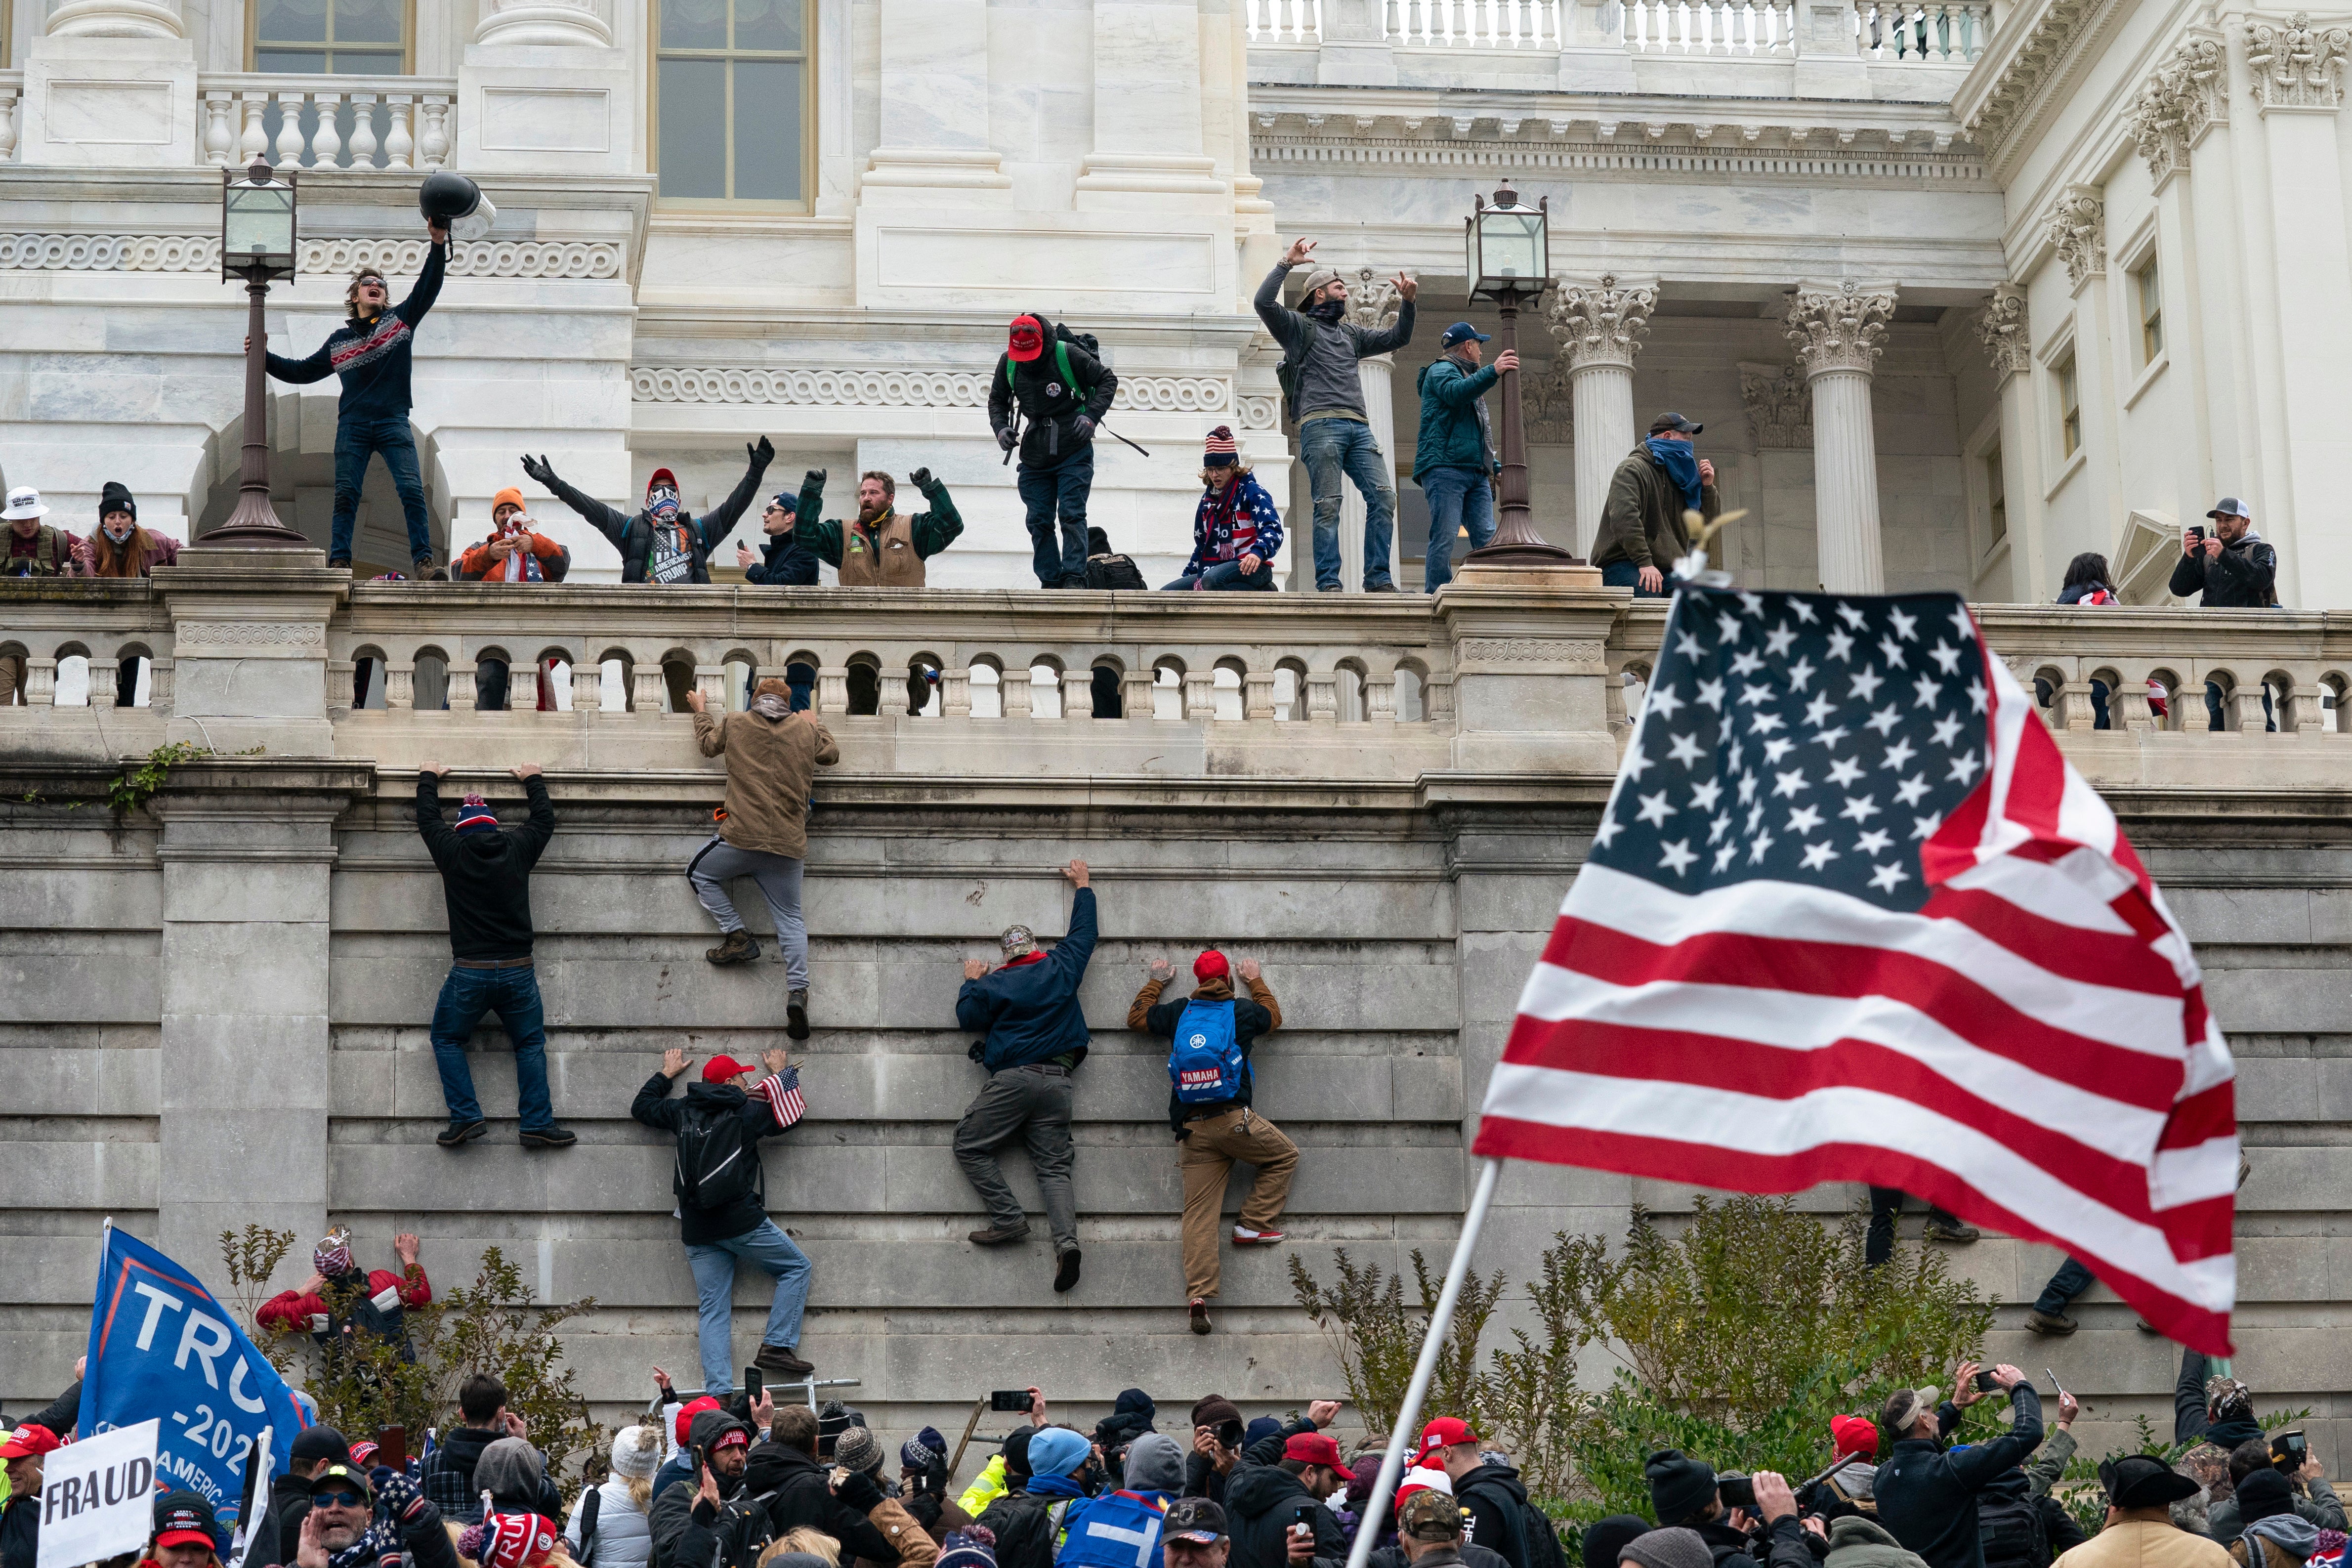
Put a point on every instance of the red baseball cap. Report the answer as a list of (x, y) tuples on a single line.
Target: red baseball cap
[(719, 1069), (1312, 1448), (1211, 965), (733, 1437), (1853, 1435), (1443, 1433), (686, 1415), (28, 1439), (1033, 330)]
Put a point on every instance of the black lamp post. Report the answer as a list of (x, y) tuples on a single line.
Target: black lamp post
[(1509, 254), (256, 245)]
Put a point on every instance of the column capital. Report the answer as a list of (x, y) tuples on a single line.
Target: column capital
[(1779, 408), (2296, 65), (1602, 322), (2078, 229), (1373, 301), (2184, 97), (2003, 327), (1840, 327)]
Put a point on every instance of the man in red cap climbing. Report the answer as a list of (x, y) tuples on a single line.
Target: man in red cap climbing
[(1061, 388), (1209, 1107), (722, 1201)]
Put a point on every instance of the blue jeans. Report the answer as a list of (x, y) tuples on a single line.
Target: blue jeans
[(1625, 574), (1063, 487), (357, 439), (1337, 447), (714, 1297), (513, 994), (1226, 576), (1458, 499), (2213, 708), (2070, 1280)]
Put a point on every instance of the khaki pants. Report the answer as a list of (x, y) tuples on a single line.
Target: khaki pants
[(1207, 1158)]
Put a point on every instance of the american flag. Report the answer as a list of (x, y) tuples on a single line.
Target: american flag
[(1851, 917), (782, 1092)]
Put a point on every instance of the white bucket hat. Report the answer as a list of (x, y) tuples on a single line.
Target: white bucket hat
[(24, 503)]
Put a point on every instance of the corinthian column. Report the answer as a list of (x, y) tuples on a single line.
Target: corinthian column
[(1372, 304), (1599, 327), (1838, 332)]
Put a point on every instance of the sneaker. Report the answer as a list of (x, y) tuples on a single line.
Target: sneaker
[(459, 1133), (548, 1137), (780, 1358), (998, 1235), (2055, 1323), (1065, 1271), (737, 947), (1951, 1230), (1200, 1316), (1255, 1237), (796, 1013)]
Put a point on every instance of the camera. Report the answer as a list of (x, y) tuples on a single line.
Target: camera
[(2289, 1450), (1736, 1491)]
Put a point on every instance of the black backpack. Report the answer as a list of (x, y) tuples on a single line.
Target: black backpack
[(1286, 374), (1026, 1526), (715, 1164), (1539, 1540), (1112, 571), (2012, 1532), (741, 1532)]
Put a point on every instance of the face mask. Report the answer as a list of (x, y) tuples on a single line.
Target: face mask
[(123, 537)]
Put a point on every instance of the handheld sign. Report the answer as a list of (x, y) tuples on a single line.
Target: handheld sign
[(97, 1497), (162, 1346)]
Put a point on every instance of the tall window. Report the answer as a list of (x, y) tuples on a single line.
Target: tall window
[(730, 86), (2069, 407), (343, 37), (2151, 295), (1997, 494)]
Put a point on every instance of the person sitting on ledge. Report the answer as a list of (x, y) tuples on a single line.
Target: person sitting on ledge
[(883, 548), (514, 552), (1235, 529)]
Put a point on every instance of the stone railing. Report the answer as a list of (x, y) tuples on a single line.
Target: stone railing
[(1893, 32), (1473, 24), (1729, 28), (12, 92), (1938, 32), (326, 121), (1283, 21)]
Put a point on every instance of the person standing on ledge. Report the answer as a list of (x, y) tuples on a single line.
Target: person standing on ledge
[(485, 883), (663, 544), (883, 548), (370, 353), (1063, 391), (1642, 535), (1322, 390)]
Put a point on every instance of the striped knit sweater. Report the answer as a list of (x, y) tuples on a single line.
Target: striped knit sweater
[(371, 357)]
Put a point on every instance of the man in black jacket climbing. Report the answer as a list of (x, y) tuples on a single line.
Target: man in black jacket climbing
[(485, 884), (787, 1467), (1063, 391), (662, 544)]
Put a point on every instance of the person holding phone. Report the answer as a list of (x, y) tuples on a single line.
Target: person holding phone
[(1926, 1496), (1685, 1493), (1269, 1504)]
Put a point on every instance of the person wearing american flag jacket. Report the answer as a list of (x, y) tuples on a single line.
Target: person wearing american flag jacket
[(370, 353), (718, 1126), (1235, 529)]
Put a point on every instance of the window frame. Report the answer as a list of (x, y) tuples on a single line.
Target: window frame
[(2148, 295), (807, 59), (253, 43), (1995, 495), (2066, 401)]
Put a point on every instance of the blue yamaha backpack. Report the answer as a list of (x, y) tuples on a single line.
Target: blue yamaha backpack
[(1206, 1064), (1117, 1530)]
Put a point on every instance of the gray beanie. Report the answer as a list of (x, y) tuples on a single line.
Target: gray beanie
[(857, 1449), (510, 1472), (1154, 1464), (1675, 1547)]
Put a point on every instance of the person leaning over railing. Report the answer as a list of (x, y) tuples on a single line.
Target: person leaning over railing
[(35, 550), (1235, 529)]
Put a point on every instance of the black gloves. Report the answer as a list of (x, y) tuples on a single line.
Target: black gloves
[(922, 479), (858, 1491), (978, 1050), (537, 470), (1082, 428), (764, 454), (1005, 437), (814, 477)]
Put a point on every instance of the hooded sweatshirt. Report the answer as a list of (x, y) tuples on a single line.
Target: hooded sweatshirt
[(372, 354), (1259, 1501), (485, 877), (763, 1113)]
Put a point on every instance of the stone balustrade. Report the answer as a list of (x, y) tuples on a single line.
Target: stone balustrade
[(12, 93), (327, 121), (1889, 32)]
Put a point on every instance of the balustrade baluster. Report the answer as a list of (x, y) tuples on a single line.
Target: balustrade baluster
[(1078, 693), (327, 137), (461, 698), (1257, 694), (1379, 698), (587, 686), (7, 125), (290, 129), (159, 686), (102, 681), (40, 682), (363, 142), (648, 692), (220, 136), (432, 147), (399, 141), (399, 687), (522, 685), (955, 692), (253, 141), (1017, 688), (339, 684), (1199, 694), (1323, 696), (1135, 693)]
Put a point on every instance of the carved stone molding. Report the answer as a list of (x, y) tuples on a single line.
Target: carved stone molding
[(193, 637), (1549, 408), (2057, 28), (1373, 302), (1780, 407), (1256, 413), (1580, 655), (2078, 227), (395, 257), (917, 389), (1839, 330), (1600, 323), (2296, 65), (2184, 97), (110, 252), (2002, 328), (544, 22)]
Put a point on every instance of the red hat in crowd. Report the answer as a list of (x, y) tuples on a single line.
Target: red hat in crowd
[(516, 1539), (733, 1437), (686, 1415), (29, 1439), (719, 1069), (1853, 1435), (1443, 1433), (1312, 1448), (1211, 965), (1028, 339)]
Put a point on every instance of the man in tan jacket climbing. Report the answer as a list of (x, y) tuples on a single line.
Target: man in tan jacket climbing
[(772, 754)]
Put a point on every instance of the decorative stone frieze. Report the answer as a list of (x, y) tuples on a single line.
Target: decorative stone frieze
[(1600, 323), (1549, 405), (2054, 31), (2296, 65), (1779, 408), (1843, 329), (2002, 328), (916, 389), (2078, 227), (395, 257), (2185, 97)]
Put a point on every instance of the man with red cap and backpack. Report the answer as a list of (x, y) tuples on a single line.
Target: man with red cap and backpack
[(1209, 1107), (1058, 383)]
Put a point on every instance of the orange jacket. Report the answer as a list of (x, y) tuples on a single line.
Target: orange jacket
[(479, 564)]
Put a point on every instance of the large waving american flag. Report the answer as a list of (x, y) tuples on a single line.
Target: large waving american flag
[(1851, 917)]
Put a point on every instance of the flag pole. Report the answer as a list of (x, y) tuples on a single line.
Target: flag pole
[(1408, 1414)]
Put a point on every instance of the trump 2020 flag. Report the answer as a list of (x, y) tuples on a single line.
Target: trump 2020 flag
[(161, 1348), (1851, 917)]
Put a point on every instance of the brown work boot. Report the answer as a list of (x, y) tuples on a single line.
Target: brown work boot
[(780, 1358), (1200, 1315), (1951, 1230), (2057, 1324), (796, 1013), (738, 948), (997, 1235)]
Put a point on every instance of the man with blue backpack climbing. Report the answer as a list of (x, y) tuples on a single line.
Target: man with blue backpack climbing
[(1209, 1107), (1054, 379)]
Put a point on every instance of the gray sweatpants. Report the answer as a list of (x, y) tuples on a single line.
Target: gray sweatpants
[(779, 876), (1033, 1103)]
